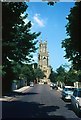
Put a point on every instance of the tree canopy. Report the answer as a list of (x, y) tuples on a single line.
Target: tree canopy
[(72, 42), (66, 77), (39, 73), (53, 76), (18, 42)]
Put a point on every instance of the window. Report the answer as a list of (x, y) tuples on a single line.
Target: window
[(75, 93), (79, 93), (69, 89)]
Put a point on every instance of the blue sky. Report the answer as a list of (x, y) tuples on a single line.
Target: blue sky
[(51, 22)]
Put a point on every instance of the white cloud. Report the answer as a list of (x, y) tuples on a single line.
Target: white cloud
[(38, 20)]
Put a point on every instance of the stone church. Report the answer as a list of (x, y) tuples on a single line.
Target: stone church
[(43, 61)]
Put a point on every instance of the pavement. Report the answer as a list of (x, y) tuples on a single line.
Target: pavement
[(12, 97)]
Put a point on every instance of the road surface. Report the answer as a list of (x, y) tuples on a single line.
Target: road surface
[(38, 102)]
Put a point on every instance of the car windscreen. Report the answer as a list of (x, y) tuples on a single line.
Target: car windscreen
[(69, 89)]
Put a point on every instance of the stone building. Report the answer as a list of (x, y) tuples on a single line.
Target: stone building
[(43, 61)]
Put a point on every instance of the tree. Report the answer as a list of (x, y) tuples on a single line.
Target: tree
[(18, 42), (39, 74), (72, 43), (72, 76), (61, 74), (53, 76), (51, 3), (68, 77), (28, 73)]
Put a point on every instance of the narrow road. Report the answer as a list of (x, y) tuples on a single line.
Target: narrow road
[(39, 102)]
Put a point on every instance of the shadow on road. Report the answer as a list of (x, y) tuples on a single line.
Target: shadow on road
[(21, 93), (69, 106), (22, 110), (13, 94)]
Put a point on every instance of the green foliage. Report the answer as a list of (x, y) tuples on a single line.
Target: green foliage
[(79, 75), (68, 77), (53, 76), (16, 68), (61, 74), (72, 76), (18, 41), (72, 43), (51, 3), (60, 70), (35, 65), (27, 73), (39, 73)]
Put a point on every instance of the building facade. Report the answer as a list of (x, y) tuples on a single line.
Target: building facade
[(43, 61)]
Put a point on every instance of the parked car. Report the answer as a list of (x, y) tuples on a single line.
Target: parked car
[(76, 100), (67, 92), (31, 84), (53, 86)]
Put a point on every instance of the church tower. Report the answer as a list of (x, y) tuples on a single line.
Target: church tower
[(43, 60)]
